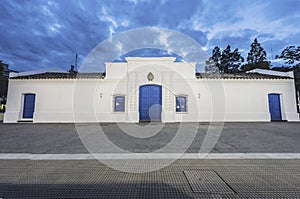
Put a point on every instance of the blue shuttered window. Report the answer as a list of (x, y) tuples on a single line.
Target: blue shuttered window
[(181, 104), (119, 103)]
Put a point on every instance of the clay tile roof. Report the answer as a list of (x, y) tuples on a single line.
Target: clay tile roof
[(52, 75), (238, 76)]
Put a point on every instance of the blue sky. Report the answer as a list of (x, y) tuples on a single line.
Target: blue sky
[(38, 34)]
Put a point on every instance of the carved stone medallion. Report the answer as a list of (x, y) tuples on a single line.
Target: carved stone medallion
[(150, 76)]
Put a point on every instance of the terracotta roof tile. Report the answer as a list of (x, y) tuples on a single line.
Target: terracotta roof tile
[(238, 76), (62, 76), (52, 75)]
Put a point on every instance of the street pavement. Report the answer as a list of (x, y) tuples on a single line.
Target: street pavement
[(149, 177), (275, 137)]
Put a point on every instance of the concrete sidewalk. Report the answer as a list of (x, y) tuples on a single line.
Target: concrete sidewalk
[(181, 179)]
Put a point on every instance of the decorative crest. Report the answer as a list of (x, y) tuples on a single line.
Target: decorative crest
[(150, 76)]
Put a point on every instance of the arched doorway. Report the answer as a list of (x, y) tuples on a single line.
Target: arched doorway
[(150, 100)]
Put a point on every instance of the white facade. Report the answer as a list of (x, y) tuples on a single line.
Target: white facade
[(207, 99)]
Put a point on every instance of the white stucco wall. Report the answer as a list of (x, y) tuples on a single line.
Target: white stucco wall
[(91, 100)]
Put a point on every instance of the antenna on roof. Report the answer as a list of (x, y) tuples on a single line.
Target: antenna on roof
[(76, 60), (272, 53)]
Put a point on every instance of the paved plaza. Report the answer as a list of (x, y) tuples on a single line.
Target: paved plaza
[(275, 137), (22, 177)]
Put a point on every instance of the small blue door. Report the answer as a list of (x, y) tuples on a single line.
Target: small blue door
[(274, 106), (28, 108), (150, 103)]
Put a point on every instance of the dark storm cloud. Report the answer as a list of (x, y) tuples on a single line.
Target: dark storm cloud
[(48, 34), (39, 34)]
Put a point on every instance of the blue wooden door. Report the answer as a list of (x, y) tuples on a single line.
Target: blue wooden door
[(28, 108), (150, 103), (274, 106)]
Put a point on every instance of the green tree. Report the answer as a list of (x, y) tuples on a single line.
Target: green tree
[(225, 60), (257, 53), (210, 66), (282, 68), (290, 54), (3, 81), (1, 69), (257, 58), (216, 56), (236, 61), (261, 65), (230, 61)]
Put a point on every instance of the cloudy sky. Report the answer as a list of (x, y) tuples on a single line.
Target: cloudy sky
[(38, 34)]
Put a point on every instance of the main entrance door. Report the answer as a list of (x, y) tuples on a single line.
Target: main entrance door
[(28, 107), (274, 106), (150, 103)]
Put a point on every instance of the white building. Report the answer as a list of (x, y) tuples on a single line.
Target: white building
[(144, 89)]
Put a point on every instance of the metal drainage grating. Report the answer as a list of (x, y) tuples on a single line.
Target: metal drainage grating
[(207, 181)]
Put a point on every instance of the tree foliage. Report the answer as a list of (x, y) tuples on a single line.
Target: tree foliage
[(210, 66), (257, 53), (216, 56), (236, 61), (1, 69), (282, 68), (256, 58), (290, 54), (225, 61), (261, 65), (3, 80), (230, 61)]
